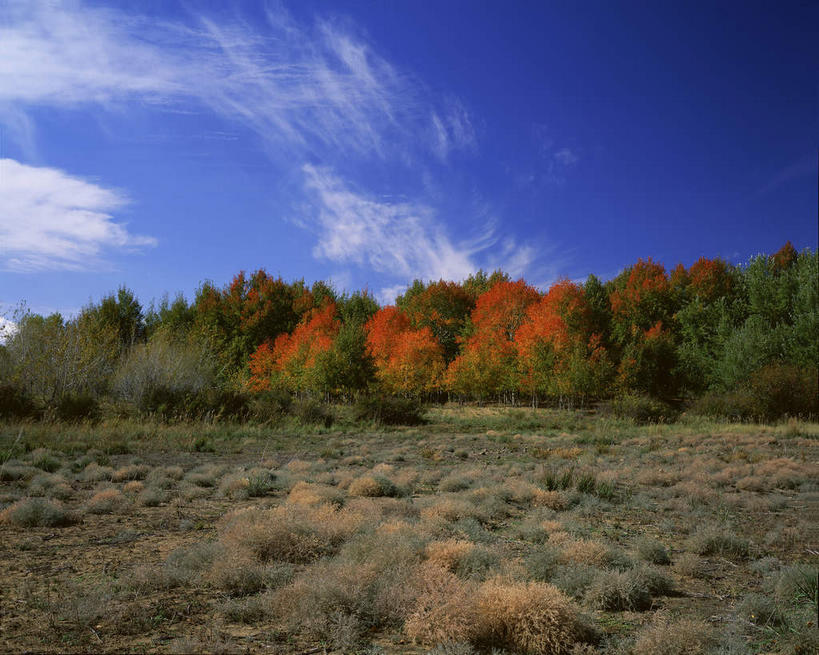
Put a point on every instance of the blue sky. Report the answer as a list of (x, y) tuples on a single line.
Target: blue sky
[(158, 144)]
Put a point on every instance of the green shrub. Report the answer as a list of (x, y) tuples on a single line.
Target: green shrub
[(15, 403), (389, 410), (642, 409), (44, 461), (785, 390), (77, 407), (270, 406), (163, 402), (733, 405), (217, 404), (555, 480), (312, 412)]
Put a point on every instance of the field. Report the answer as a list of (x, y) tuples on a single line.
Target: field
[(483, 530)]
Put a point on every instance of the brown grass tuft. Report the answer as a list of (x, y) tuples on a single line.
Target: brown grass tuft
[(106, 501), (289, 533), (444, 608), (528, 617), (675, 637), (448, 554)]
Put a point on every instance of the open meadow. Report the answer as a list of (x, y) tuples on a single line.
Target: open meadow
[(481, 530)]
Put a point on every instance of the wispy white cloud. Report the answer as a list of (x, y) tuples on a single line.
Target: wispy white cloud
[(404, 240), (297, 86), (452, 130), (51, 220)]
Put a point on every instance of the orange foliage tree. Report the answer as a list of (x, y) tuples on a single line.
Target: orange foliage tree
[(488, 362), (558, 354), (443, 307), (407, 360), (293, 360)]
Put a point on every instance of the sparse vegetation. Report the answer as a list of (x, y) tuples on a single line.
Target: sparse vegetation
[(462, 535)]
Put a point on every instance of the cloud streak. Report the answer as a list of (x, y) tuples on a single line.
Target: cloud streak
[(404, 240), (317, 88), (50, 220)]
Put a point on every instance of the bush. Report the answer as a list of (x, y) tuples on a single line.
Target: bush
[(785, 390), (733, 405), (77, 407), (675, 637), (373, 486), (613, 591), (389, 410), (163, 402), (652, 551), (37, 512), (15, 403), (529, 617), (217, 404), (713, 542), (310, 411), (642, 409), (270, 405)]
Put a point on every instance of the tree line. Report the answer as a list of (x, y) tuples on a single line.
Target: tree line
[(731, 340)]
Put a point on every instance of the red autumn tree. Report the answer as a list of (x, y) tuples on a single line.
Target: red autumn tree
[(292, 361), (709, 279), (407, 360), (488, 362), (558, 354), (443, 307)]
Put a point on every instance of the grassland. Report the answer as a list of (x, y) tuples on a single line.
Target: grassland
[(483, 530)]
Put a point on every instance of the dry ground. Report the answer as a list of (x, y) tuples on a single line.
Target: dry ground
[(484, 530)]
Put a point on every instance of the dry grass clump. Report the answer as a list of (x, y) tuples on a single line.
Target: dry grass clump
[(153, 497), (133, 487), (652, 551), (106, 501), (299, 466), (174, 472), (289, 533), (311, 494), (206, 476), (93, 472), (713, 541), (582, 551), (13, 470), (44, 483), (463, 558), (683, 636), (132, 472), (691, 565), (237, 577), (450, 509), (373, 486), (525, 617), (235, 486), (555, 500), (366, 587), (615, 591), (528, 617), (453, 483), (444, 608), (37, 512)]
